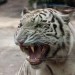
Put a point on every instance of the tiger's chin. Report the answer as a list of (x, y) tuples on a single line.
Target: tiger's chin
[(37, 53)]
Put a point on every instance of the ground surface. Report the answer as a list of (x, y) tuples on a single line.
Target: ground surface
[(10, 55)]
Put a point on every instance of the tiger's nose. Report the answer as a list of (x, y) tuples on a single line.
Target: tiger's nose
[(26, 38), (30, 40)]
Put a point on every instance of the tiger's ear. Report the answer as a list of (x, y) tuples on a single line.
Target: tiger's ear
[(67, 14), (66, 18), (24, 11)]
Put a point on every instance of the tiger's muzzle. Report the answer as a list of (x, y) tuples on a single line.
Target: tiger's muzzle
[(37, 52)]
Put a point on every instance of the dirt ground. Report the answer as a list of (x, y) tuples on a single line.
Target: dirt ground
[(11, 57)]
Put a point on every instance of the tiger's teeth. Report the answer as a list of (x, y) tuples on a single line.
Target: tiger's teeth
[(32, 48), (43, 49)]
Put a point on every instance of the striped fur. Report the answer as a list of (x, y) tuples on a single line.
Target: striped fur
[(46, 26)]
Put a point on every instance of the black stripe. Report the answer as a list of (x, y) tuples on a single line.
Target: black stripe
[(54, 54), (40, 16), (50, 70), (52, 35), (61, 25), (43, 14), (55, 26), (20, 25), (63, 45), (35, 18), (44, 20), (53, 19)]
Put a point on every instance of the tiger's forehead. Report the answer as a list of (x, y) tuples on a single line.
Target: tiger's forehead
[(39, 11), (39, 14)]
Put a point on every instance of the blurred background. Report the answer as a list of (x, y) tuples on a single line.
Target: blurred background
[(11, 58)]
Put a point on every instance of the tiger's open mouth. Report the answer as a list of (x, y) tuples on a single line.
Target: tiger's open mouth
[(37, 53)]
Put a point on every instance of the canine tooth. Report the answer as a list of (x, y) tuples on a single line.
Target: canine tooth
[(43, 50), (32, 48)]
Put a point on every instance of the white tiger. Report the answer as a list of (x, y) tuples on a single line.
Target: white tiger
[(44, 35)]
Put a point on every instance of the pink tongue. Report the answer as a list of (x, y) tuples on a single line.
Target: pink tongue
[(36, 55)]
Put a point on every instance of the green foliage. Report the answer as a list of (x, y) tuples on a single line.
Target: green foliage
[(46, 1), (32, 1)]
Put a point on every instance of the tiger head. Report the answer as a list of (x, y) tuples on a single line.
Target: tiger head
[(44, 35)]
